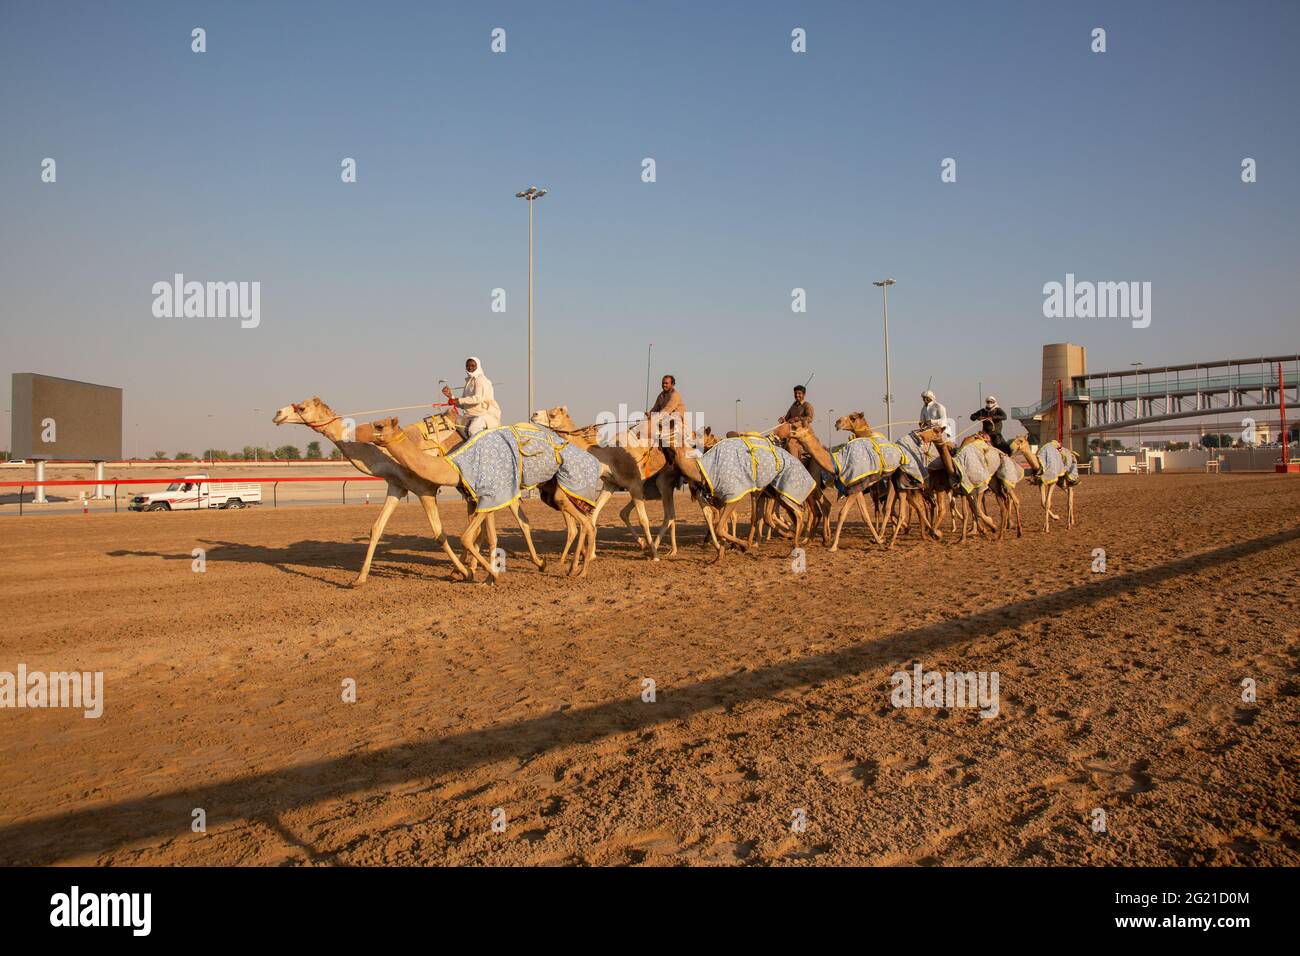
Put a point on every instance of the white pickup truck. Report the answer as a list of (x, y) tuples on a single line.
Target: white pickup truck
[(195, 491)]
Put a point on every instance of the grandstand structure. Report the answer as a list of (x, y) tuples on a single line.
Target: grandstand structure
[(1150, 397)]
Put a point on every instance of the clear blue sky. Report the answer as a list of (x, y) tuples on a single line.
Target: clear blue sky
[(775, 171)]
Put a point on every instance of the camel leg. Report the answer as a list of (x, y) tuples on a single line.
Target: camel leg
[(669, 523), (570, 532), (582, 552), (377, 530), (756, 519), (866, 516), (645, 526), (469, 538), (824, 513), (711, 517), (898, 524), (845, 504), (800, 523), (527, 530), (430, 505), (922, 514), (941, 506), (1069, 500), (601, 499), (728, 511), (625, 514), (1047, 508), (982, 516)]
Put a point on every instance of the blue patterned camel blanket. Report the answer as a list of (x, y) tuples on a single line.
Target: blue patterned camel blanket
[(1009, 473), (1058, 463), (973, 467), (793, 480), (734, 467), (496, 465), (864, 457), (913, 463)]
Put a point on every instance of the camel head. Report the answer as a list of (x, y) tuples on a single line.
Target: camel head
[(312, 413), (1020, 444), (782, 431), (556, 418), (800, 432), (930, 435), (855, 422), (383, 431)]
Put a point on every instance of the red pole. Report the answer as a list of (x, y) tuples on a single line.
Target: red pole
[(1281, 403), (1060, 414)]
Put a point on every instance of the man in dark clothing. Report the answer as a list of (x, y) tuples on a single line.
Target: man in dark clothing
[(800, 410), (992, 415)]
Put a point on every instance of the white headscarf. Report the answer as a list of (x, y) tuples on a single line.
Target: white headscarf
[(478, 368)]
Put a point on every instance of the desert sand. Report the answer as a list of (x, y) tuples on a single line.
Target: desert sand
[(1120, 691)]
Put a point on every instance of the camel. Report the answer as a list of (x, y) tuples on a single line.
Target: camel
[(882, 494), (1034, 467), (438, 469), (1004, 490), (788, 478), (624, 466), (975, 496), (658, 484), (852, 495), (910, 492), (369, 460), (820, 505)]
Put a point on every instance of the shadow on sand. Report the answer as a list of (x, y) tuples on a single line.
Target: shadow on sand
[(266, 796)]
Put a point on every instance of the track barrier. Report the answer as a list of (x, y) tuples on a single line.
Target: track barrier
[(22, 486)]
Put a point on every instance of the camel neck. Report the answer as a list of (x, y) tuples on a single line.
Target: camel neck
[(945, 455), (432, 468), (818, 452), (1031, 459)]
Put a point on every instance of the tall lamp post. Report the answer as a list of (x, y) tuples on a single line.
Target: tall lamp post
[(884, 285), (830, 428), (1137, 403), (737, 416), (530, 195)]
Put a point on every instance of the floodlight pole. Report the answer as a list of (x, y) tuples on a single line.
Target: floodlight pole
[(884, 285), (530, 195)]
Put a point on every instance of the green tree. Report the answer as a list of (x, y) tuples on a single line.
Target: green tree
[(313, 449), (184, 456), (160, 456), (288, 451)]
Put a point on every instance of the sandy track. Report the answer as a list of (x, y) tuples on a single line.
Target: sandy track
[(1119, 691)]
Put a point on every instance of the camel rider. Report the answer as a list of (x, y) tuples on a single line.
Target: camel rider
[(933, 411), (668, 409), (476, 404), (801, 410), (992, 416)]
